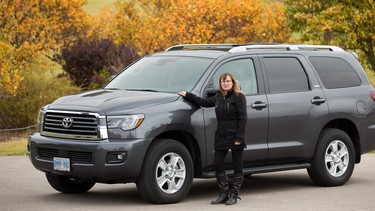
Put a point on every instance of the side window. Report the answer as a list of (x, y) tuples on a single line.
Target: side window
[(335, 72), (243, 71), (285, 74)]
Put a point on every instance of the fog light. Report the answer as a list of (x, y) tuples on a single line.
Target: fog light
[(121, 156), (116, 157)]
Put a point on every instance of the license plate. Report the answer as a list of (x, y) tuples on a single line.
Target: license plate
[(61, 164)]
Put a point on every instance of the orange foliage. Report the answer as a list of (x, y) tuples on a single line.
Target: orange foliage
[(30, 28), (170, 22), (119, 25)]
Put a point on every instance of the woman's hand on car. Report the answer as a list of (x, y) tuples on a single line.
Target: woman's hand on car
[(183, 94)]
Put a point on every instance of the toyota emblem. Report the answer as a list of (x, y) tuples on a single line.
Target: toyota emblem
[(67, 122)]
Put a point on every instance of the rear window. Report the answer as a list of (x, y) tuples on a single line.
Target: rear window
[(285, 75), (335, 72)]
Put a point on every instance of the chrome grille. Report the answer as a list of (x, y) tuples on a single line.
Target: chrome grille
[(83, 125)]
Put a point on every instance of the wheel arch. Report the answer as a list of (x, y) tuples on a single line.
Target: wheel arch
[(349, 128), (188, 141), (147, 182)]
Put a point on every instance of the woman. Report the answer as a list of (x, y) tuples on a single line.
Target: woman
[(231, 115)]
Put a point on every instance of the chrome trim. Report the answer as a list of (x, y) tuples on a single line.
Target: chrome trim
[(101, 129)]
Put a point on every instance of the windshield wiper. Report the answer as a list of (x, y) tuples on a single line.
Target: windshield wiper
[(112, 89), (143, 90)]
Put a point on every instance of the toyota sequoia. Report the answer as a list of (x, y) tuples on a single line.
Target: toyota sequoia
[(309, 107)]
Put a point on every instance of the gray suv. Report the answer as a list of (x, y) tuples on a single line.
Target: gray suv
[(308, 107)]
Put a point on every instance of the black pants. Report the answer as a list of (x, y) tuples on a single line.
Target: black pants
[(236, 160)]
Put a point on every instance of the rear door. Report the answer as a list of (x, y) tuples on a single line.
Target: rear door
[(297, 108)]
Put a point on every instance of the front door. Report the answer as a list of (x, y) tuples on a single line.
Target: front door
[(245, 72)]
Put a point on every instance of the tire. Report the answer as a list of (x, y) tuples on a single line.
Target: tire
[(68, 185), (334, 159), (167, 173)]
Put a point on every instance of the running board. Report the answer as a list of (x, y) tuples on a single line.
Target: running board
[(261, 169)]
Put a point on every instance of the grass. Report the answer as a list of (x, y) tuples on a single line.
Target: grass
[(13, 147)]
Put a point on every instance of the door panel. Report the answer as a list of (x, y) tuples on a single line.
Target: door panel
[(294, 125), (297, 108)]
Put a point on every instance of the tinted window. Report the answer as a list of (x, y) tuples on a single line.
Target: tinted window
[(335, 72), (285, 75), (164, 74), (243, 71)]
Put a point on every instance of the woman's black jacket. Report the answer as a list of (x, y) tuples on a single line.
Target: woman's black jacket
[(231, 115)]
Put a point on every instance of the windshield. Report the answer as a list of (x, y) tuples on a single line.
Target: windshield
[(161, 74)]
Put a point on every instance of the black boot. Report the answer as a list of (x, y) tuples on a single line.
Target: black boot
[(237, 182), (223, 187)]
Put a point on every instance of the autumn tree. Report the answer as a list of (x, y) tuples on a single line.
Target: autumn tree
[(31, 28), (119, 24), (39, 87), (162, 23), (349, 24), (12, 62)]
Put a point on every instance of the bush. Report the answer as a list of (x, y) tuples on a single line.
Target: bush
[(38, 88), (89, 63)]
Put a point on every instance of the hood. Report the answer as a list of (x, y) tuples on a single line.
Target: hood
[(111, 101)]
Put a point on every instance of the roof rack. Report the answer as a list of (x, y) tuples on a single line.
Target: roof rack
[(232, 48), (220, 47), (286, 47)]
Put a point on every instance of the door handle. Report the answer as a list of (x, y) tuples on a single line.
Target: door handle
[(318, 100), (258, 105)]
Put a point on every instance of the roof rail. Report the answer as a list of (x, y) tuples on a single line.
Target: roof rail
[(286, 47), (221, 47)]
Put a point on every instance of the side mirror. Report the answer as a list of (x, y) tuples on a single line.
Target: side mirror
[(210, 89), (211, 92)]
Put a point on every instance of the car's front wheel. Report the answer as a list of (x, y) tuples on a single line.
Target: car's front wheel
[(167, 172), (334, 159)]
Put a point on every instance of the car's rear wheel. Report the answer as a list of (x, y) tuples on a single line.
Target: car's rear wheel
[(334, 159), (167, 173), (68, 185)]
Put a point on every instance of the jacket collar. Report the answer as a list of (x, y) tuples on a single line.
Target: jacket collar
[(229, 93)]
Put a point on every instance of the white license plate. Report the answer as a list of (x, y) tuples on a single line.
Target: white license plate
[(61, 164)]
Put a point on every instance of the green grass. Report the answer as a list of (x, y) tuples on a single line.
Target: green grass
[(13, 147)]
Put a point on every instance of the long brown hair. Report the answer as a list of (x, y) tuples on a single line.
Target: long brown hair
[(236, 87)]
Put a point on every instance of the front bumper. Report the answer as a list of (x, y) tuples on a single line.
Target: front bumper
[(90, 160)]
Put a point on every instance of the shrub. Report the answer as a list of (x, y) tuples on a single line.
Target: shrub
[(38, 88), (87, 61)]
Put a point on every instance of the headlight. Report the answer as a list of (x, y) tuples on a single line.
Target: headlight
[(40, 119), (127, 122)]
